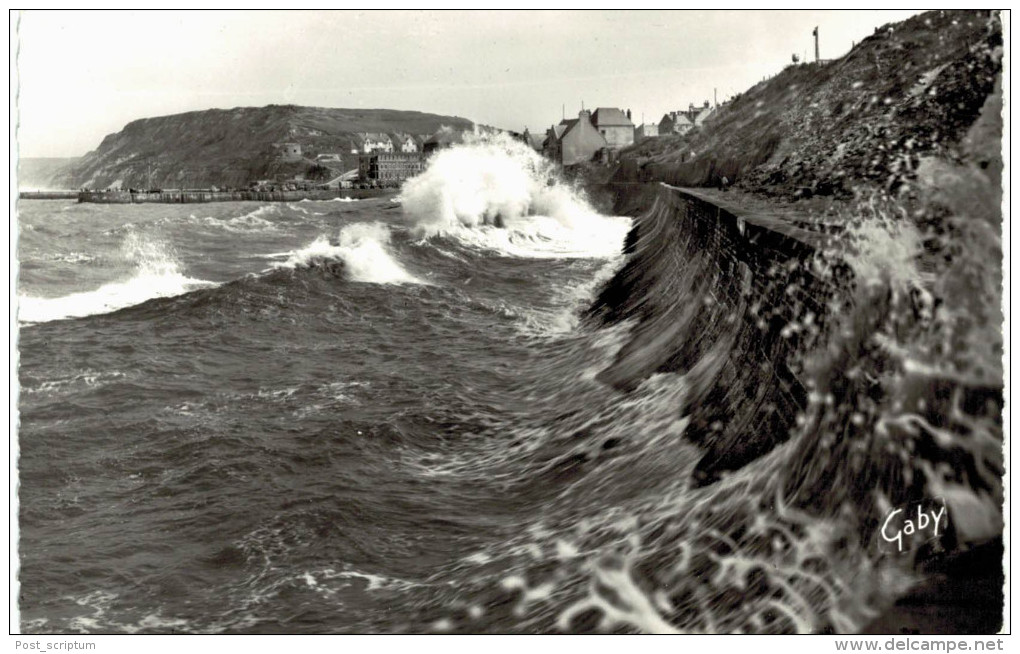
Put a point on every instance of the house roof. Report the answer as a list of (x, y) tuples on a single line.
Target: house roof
[(705, 112), (568, 125), (677, 118), (610, 117), (398, 139)]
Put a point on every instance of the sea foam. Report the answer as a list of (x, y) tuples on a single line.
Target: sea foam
[(496, 193), (156, 274), (364, 250)]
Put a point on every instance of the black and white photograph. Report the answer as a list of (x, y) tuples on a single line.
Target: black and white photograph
[(509, 322)]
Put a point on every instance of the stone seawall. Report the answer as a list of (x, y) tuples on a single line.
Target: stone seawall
[(728, 298), (778, 341)]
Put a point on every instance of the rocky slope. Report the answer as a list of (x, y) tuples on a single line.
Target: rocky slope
[(909, 92), (232, 147)]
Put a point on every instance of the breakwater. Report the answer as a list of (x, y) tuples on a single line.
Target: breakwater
[(48, 195), (199, 196)]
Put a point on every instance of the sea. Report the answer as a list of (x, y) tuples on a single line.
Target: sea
[(376, 416)]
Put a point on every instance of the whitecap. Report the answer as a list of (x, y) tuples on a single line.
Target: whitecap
[(363, 248)]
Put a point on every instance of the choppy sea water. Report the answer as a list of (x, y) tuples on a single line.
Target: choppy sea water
[(378, 416)]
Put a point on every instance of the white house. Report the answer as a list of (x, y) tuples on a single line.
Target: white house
[(646, 130), (372, 142), (403, 143)]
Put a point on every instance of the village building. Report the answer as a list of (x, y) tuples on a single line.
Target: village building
[(680, 122), (527, 138), (288, 151), (701, 114), (646, 130), (404, 143), (675, 122), (389, 167), (575, 140), (614, 125), (376, 143), (552, 136), (533, 140)]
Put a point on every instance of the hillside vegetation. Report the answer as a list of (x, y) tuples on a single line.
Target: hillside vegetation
[(910, 91), (232, 147)]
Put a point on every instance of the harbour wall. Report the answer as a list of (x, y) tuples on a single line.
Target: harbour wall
[(198, 196), (48, 195)]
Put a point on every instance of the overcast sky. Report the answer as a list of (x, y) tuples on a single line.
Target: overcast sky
[(86, 74)]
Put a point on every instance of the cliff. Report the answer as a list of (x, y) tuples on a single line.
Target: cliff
[(232, 147)]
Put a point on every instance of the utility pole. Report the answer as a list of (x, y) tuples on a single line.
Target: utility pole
[(817, 58), (715, 97)]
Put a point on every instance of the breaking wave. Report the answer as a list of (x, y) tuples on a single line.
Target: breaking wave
[(498, 194), (363, 251), (157, 273)]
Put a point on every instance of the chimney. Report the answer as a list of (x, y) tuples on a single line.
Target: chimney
[(706, 104), (692, 107), (628, 114)]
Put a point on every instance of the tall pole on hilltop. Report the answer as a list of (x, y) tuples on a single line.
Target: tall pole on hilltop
[(817, 58)]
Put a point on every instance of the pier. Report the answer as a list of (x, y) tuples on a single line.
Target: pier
[(48, 195), (190, 196), (199, 195)]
